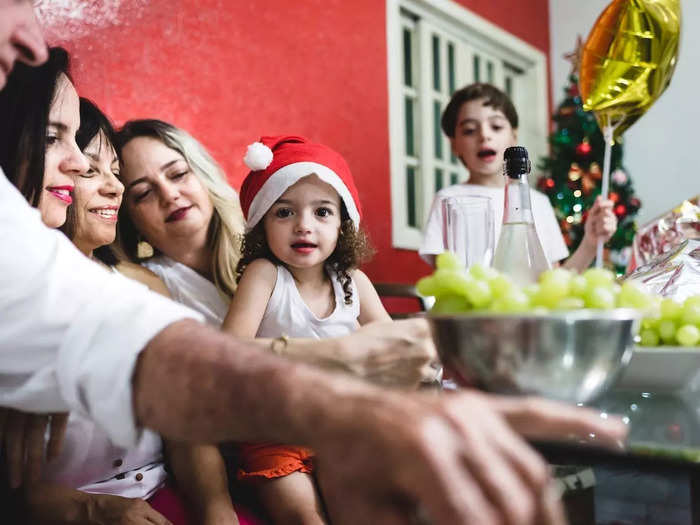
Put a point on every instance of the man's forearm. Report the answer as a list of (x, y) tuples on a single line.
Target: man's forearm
[(193, 383)]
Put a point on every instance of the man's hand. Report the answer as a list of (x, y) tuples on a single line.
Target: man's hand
[(394, 353), (455, 459), (23, 438)]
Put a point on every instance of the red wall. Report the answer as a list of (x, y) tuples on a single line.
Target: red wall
[(230, 71)]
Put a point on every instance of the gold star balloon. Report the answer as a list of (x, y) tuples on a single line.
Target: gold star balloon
[(628, 60)]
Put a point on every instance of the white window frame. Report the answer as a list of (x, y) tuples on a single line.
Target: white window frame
[(455, 22)]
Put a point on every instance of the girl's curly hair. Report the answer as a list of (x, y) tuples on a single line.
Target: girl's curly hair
[(353, 249)]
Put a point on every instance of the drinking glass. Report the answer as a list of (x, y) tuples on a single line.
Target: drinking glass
[(468, 228)]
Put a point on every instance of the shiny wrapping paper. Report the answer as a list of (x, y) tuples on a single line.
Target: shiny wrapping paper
[(628, 59), (666, 232), (675, 275)]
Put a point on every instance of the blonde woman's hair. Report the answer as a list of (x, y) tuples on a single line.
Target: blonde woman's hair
[(227, 224)]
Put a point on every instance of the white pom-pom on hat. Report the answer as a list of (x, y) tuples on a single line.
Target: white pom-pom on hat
[(258, 156)]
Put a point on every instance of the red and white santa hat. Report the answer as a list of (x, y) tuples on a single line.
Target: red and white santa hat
[(277, 163)]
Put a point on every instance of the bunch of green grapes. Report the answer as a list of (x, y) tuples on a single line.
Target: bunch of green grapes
[(479, 288), (673, 324)]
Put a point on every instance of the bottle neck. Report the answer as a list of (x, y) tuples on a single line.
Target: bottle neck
[(517, 207)]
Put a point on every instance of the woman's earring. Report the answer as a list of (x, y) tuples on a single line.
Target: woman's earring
[(144, 250)]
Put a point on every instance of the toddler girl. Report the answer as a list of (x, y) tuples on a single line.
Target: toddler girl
[(298, 277)]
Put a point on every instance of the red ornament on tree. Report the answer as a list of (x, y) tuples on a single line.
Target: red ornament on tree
[(620, 210), (614, 197), (635, 203), (595, 171), (583, 149)]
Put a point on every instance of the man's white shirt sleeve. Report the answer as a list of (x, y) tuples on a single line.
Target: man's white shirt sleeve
[(70, 331)]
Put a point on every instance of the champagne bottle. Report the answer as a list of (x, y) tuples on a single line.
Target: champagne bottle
[(519, 252)]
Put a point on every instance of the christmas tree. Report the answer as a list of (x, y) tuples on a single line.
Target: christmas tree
[(572, 177)]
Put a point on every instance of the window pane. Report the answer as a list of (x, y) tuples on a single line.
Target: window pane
[(438, 179), (436, 63), (411, 195), (509, 87), (410, 142), (451, 67), (489, 71), (454, 178), (437, 131), (407, 58), (477, 68)]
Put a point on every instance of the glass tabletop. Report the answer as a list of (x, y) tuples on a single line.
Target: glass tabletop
[(661, 425)]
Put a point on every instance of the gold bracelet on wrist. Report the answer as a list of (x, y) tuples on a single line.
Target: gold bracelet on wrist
[(279, 344)]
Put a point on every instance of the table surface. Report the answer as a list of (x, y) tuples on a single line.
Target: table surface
[(663, 427)]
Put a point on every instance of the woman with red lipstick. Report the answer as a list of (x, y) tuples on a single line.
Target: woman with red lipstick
[(299, 277), (38, 152), (481, 122)]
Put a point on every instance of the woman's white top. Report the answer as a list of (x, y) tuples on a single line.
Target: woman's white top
[(91, 463), (545, 221), (188, 287), (287, 313)]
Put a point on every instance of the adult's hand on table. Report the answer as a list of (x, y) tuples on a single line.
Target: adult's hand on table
[(392, 353), (105, 509), (23, 438), (537, 418), (453, 459)]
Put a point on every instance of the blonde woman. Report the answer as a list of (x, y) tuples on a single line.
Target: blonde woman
[(181, 219)]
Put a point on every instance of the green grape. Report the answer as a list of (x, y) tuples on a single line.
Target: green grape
[(500, 286), (649, 338), (450, 304), (598, 277), (479, 293), (578, 286), (600, 297), (691, 312), (556, 275), (450, 282), (688, 335), (551, 293), (632, 296), (531, 290), (448, 261), (570, 303), (695, 299), (670, 309), (426, 286), (513, 301), (481, 272), (667, 331), (650, 323)]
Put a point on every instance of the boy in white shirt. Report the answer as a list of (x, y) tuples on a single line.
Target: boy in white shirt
[(482, 122)]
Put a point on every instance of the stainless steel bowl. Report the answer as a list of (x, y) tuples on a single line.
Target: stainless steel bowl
[(571, 356)]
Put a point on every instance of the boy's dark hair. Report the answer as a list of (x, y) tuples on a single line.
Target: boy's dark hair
[(495, 98), (93, 123), (353, 248), (25, 103)]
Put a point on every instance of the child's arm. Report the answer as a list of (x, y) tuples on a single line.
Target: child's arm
[(250, 300), (200, 474), (371, 307)]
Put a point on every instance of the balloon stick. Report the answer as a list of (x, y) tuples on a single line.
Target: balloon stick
[(608, 130)]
